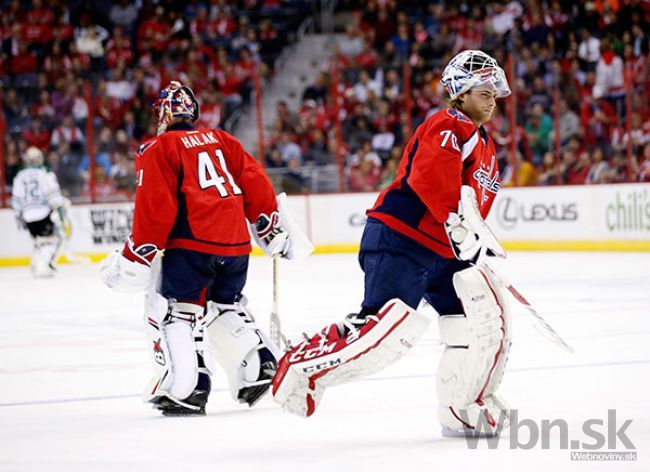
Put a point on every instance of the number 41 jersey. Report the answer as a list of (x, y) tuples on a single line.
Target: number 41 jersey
[(447, 151), (195, 189)]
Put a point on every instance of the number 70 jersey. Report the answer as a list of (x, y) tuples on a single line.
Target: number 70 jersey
[(196, 189), (447, 151)]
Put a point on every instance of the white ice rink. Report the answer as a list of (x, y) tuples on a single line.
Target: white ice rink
[(74, 360)]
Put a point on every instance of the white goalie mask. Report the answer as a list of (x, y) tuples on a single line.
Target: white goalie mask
[(471, 69)]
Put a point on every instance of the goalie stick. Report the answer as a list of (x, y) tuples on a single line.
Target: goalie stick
[(275, 329), (539, 323), (473, 217)]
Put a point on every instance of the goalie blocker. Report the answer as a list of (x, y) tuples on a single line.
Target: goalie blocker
[(342, 353)]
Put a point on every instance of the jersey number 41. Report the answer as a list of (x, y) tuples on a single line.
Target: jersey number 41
[(209, 177)]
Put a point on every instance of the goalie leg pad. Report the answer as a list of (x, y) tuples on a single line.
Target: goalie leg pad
[(329, 359), (476, 352), (245, 352), (177, 354)]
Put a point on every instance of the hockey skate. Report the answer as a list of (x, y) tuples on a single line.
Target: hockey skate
[(361, 345), (194, 405), (252, 393)]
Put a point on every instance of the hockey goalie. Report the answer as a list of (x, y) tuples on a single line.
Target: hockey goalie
[(425, 238), (198, 192)]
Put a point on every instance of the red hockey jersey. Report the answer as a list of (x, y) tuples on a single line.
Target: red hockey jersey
[(195, 190), (446, 151)]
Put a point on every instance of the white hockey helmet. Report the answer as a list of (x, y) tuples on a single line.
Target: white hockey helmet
[(33, 155), (470, 69)]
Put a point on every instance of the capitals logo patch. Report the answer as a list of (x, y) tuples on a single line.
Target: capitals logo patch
[(457, 114), (158, 353), (487, 181), (146, 146)]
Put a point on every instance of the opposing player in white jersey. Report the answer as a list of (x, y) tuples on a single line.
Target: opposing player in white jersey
[(41, 209)]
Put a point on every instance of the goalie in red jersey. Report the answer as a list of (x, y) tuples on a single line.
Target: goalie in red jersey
[(424, 238), (197, 192)]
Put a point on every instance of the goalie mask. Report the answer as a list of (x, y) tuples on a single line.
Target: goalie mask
[(470, 69), (174, 101)]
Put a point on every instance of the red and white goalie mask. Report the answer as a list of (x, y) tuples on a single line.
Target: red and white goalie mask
[(174, 101)]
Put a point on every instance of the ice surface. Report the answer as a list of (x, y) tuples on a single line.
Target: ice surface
[(74, 359)]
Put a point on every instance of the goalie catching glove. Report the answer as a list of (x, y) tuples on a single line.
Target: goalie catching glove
[(129, 270), (469, 235)]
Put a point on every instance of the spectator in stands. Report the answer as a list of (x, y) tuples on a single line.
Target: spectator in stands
[(569, 125), (211, 109), (389, 174), (12, 162), (401, 41), (104, 188), (364, 177), (90, 40), (359, 132), (102, 159), (230, 84), (292, 180), (550, 171), (539, 95), (618, 168), (383, 140), (524, 173), (317, 151), (285, 118), (318, 90), (364, 153), (366, 85), (577, 172), (70, 155), (67, 132), (24, 66), (538, 128), (351, 44), (589, 50), (37, 135), (599, 169), (123, 173), (119, 87), (124, 13), (609, 77), (644, 164), (289, 150)]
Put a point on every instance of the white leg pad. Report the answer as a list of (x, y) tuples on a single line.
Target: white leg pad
[(477, 346), (235, 342), (174, 350)]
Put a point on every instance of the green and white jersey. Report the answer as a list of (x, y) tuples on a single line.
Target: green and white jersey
[(35, 193)]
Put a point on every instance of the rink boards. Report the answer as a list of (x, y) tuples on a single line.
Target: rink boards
[(582, 218)]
